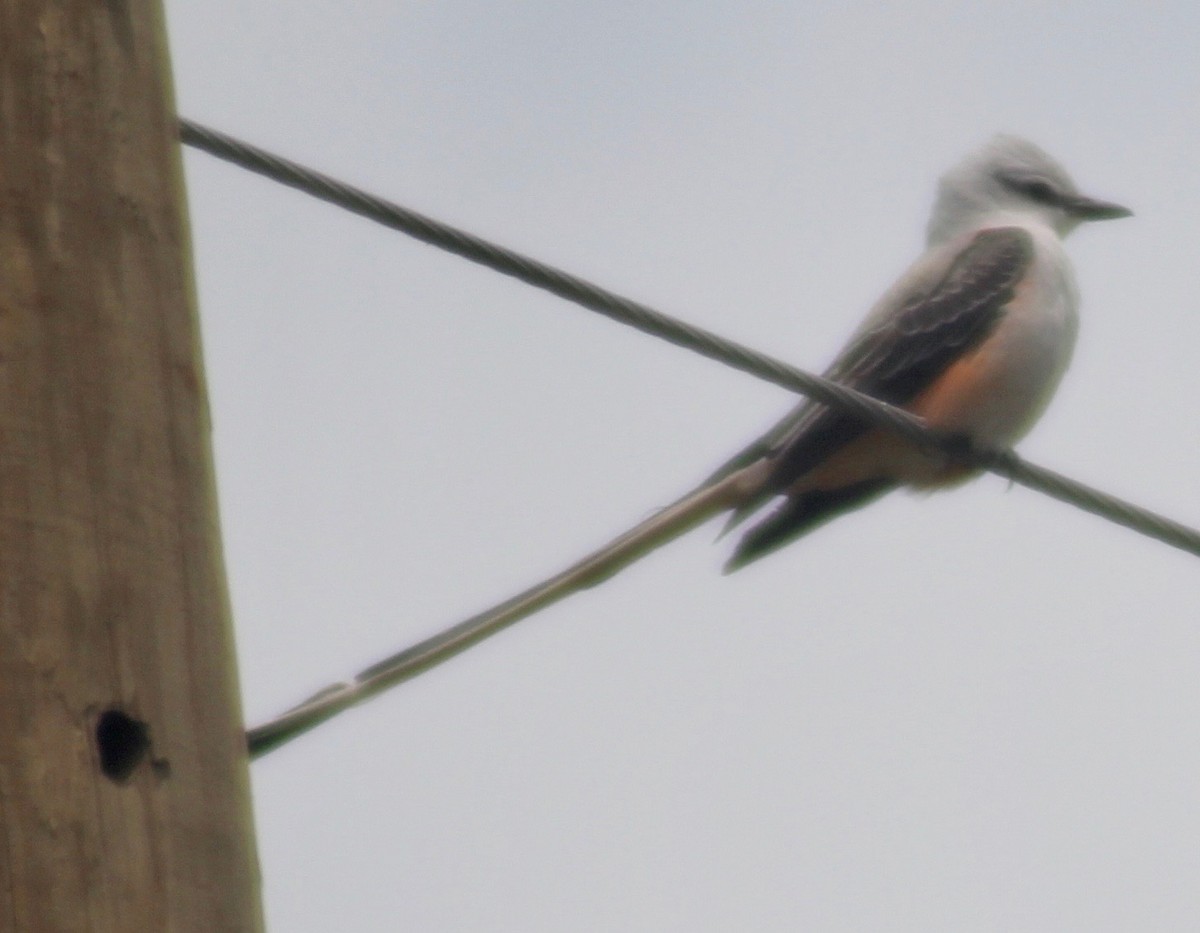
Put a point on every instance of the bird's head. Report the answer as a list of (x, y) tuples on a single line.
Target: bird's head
[(1011, 175)]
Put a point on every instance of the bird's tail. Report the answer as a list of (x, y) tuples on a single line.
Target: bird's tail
[(681, 516), (664, 526)]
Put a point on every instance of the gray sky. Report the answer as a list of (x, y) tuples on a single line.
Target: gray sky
[(971, 711)]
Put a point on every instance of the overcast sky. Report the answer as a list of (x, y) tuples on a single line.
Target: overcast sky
[(970, 711)]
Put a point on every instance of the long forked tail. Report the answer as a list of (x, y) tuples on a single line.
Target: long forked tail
[(664, 526), (661, 528)]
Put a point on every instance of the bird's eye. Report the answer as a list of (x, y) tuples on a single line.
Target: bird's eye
[(1041, 191), (1035, 187)]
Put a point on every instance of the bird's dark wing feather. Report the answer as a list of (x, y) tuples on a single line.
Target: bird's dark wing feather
[(799, 514), (941, 311)]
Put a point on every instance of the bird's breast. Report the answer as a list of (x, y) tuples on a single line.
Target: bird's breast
[(996, 391)]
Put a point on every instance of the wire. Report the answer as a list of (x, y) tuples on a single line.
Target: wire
[(646, 319), (414, 660)]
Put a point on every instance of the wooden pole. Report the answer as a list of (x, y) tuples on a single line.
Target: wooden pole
[(124, 798)]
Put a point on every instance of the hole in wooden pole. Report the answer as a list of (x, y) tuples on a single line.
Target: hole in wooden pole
[(123, 742)]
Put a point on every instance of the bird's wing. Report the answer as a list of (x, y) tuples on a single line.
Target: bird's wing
[(944, 306)]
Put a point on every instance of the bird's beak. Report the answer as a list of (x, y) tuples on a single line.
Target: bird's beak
[(1085, 208)]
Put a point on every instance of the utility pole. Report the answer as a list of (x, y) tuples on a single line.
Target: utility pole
[(124, 793)]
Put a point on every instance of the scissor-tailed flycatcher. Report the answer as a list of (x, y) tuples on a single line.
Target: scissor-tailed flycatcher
[(973, 339)]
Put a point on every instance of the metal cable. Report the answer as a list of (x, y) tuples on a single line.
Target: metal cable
[(646, 319)]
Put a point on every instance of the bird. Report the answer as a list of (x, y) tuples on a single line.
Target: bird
[(973, 339)]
